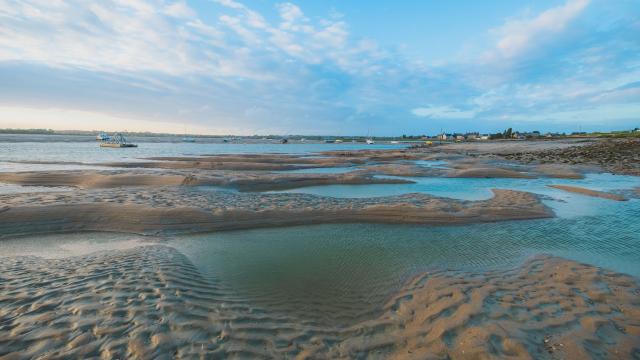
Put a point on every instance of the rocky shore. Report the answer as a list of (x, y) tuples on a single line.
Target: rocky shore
[(616, 156)]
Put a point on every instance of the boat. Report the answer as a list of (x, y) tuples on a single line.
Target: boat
[(370, 142), (117, 141), (395, 142), (187, 138), (102, 136), (284, 141)]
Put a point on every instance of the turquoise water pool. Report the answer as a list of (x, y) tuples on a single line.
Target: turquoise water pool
[(564, 203)]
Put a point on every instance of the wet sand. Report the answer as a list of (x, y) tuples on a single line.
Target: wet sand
[(179, 209), (589, 192), (242, 181), (150, 302)]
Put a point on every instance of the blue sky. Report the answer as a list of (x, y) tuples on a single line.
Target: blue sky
[(341, 67)]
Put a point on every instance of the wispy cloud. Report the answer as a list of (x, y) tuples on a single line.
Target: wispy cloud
[(443, 112), (234, 66), (519, 35)]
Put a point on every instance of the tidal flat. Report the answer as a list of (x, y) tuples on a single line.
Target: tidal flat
[(510, 249)]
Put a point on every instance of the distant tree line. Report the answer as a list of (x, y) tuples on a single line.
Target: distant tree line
[(27, 131)]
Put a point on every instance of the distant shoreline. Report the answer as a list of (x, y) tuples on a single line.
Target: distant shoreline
[(345, 138)]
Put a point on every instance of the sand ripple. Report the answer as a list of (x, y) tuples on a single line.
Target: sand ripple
[(152, 302)]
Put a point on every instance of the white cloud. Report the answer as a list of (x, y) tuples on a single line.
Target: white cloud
[(292, 17), (443, 112), (179, 9), (141, 37), (599, 114), (517, 36)]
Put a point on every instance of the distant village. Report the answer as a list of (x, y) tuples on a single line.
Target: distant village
[(517, 135), (507, 134)]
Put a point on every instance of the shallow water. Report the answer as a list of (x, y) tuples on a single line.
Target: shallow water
[(324, 170), (19, 189), (343, 273), (57, 246), (479, 188), (90, 152)]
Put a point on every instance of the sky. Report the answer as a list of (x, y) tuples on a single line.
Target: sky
[(331, 67)]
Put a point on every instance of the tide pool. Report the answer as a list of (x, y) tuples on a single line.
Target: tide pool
[(342, 273), (562, 202)]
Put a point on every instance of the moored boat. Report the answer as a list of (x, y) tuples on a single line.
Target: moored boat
[(117, 141), (102, 136)]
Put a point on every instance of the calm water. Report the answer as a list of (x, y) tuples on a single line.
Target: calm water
[(339, 274), (471, 188), (88, 151), (344, 272)]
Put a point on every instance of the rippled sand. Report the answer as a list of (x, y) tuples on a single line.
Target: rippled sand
[(151, 301), (176, 210)]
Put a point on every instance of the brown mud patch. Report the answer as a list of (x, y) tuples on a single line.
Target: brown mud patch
[(616, 156), (559, 171), (489, 172)]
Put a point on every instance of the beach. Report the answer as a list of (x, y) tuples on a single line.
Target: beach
[(158, 297)]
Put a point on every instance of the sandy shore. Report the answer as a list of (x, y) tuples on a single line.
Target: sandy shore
[(179, 209), (242, 181), (150, 302)]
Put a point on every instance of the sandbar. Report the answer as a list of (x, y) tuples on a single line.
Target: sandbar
[(589, 192)]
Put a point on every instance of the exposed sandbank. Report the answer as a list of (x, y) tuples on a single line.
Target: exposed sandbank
[(559, 171), (89, 179), (172, 210), (488, 172), (241, 181), (589, 192)]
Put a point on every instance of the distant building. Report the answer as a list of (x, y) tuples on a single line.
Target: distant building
[(472, 136), (533, 134), (442, 137), (485, 137)]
